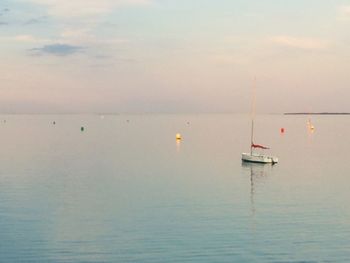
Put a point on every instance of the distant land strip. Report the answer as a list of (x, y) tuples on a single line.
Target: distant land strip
[(316, 113)]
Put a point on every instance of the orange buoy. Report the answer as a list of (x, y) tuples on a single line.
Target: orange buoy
[(178, 136)]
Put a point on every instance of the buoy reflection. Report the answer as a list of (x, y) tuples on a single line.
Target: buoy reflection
[(178, 145), (310, 126)]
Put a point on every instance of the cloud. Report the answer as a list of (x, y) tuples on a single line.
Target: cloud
[(34, 21), (24, 38), (344, 13), (3, 11), (57, 50), (85, 8), (3, 23), (229, 59), (85, 37), (299, 42)]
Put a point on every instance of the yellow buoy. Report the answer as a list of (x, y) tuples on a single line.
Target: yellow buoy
[(178, 136)]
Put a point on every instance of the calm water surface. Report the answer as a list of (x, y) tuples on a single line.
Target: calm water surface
[(124, 191)]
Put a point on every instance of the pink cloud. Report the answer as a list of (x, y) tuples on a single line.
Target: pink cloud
[(299, 42), (85, 8), (344, 13)]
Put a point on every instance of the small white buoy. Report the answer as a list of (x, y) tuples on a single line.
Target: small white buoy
[(178, 136)]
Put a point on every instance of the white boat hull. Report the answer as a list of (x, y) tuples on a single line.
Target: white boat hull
[(258, 158)]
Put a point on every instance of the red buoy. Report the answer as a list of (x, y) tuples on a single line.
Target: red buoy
[(282, 130)]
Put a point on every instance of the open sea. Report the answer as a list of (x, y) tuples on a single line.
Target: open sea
[(123, 190)]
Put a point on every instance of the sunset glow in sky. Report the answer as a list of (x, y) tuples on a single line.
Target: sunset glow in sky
[(174, 55)]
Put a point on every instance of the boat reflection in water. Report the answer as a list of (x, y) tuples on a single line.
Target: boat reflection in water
[(258, 173)]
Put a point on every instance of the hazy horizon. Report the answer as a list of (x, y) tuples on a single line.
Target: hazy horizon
[(162, 56)]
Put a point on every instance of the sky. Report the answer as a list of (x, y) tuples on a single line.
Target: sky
[(174, 56)]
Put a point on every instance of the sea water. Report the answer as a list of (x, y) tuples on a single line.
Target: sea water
[(125, 190)]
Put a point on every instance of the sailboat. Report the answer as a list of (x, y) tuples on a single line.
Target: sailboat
[(254, 156)]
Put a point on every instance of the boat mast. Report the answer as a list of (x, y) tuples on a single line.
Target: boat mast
[(251, 138), (253, 117)]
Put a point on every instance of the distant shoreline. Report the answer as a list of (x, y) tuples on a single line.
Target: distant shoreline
[(316, 113)]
